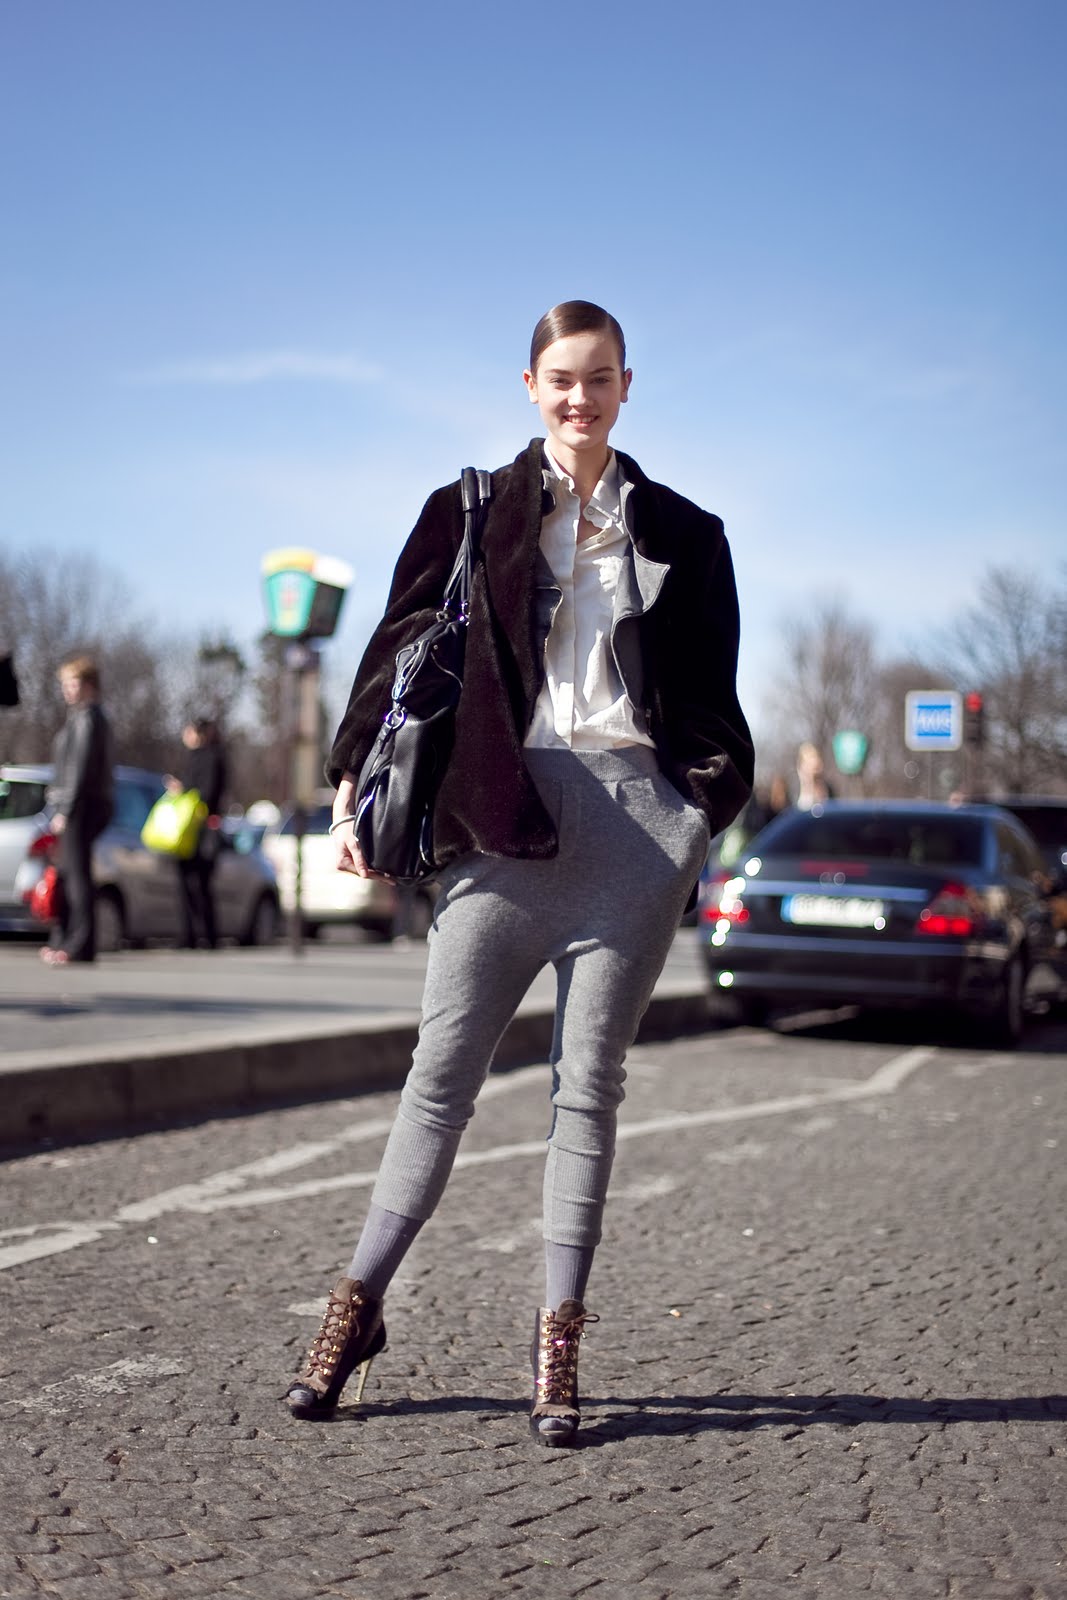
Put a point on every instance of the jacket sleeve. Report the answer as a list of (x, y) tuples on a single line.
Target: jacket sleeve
[(9, 688), (414, 597), (205, 771), (706, 728), (84, 753)]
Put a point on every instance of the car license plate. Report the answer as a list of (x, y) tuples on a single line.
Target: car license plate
[(833, 911)]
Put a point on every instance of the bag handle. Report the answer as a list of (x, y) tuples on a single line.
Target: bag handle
[(476, 491)]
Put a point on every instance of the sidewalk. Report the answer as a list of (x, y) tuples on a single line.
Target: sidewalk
[(150, 1035)]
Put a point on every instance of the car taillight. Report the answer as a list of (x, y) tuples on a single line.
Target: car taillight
[(722, 901), (951, 912), (43, 845)]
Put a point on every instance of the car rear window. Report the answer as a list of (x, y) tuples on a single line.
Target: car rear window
[(1048, 824), (920, 841), (20, 798)]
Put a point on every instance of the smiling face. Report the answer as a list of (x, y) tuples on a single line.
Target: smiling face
[(578, 388)]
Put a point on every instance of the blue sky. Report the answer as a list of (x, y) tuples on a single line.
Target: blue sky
[(269, 275)]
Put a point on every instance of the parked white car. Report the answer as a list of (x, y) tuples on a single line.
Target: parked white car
[(331, 897)]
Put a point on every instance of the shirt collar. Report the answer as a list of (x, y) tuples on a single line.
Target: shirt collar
[(604, 508)]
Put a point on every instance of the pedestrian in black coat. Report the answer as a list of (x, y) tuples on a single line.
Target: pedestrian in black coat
[(81, 795), (203, 769)]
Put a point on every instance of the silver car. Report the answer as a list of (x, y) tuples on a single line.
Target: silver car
[(137, 895)]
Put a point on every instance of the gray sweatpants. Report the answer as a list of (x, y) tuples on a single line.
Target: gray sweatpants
[(604, 911)]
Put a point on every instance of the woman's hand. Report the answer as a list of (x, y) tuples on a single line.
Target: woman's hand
[(348, 857)]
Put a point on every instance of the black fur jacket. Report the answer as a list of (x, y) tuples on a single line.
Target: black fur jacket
[(687, 642)]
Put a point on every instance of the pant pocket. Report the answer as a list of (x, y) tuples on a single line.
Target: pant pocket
[(681, 826)]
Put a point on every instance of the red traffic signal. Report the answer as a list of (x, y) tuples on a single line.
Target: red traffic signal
[(973, 718)]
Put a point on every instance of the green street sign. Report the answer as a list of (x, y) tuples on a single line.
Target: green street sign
[(850, 751)]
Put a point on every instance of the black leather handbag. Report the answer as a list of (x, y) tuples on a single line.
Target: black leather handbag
[(402, 774)]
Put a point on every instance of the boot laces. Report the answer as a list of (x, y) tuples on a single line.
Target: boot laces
[(557, 1356), (333, 1335)]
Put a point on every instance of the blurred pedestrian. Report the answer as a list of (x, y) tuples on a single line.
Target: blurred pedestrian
[(203, 769), (81, 796), (599, 743), (811, 774)]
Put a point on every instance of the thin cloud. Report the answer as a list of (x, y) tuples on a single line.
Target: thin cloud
[(265, 366)]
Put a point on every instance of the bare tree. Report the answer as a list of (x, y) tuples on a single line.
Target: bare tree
[(1011, 646), (829, 681), (152, 681), (50, 611), (219, 678), (893, 769)]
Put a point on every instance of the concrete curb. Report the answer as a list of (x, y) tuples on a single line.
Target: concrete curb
[(131, 1088)]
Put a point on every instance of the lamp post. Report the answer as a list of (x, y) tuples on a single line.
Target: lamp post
[(304, 593)]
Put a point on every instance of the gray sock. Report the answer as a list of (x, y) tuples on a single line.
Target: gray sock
[(567, 1268), (382, 1246)]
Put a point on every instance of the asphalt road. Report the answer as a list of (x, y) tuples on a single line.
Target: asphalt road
[(829, 1361)]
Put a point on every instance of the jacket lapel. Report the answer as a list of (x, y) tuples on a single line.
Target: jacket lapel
[(643, 515), (510, 548)]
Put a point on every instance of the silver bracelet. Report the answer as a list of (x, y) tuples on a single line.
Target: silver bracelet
[(340, 823)]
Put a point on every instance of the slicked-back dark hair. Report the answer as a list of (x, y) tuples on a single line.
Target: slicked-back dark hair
[(574, 316)]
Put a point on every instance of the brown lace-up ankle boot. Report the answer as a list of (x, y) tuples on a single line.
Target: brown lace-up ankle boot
[(351, 1335), (554, 1414)]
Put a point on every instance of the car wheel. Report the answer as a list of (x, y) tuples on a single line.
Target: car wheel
[(110, 922), (263, 924), (1004, 1028)]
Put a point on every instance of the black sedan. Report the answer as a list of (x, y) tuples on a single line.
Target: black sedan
[(883, 903)]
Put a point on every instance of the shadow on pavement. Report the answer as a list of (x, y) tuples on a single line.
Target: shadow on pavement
[(736, 1413), (1046, 1034)]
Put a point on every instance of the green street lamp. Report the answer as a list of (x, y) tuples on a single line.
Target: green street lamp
[(304, 592)]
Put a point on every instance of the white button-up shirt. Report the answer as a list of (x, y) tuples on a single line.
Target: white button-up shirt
[(583, 704)]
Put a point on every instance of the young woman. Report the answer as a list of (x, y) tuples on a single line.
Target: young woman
[(599, 744)]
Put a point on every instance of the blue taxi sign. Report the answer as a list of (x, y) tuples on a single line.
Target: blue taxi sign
[(933, 719)]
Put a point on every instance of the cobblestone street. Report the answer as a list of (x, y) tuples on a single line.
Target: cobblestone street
[(829, 1361)]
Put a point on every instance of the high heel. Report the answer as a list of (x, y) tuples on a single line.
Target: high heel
[(554, 1413), (351, 1335)]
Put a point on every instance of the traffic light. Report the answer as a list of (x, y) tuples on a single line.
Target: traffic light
[(973, 720)]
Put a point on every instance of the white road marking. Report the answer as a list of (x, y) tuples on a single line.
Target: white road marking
[(223, 1190), (804, 1130), (644, 1189), (737, 1154), (506, 1244), (186, 1196), (66, 1236), (80, 1388)]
